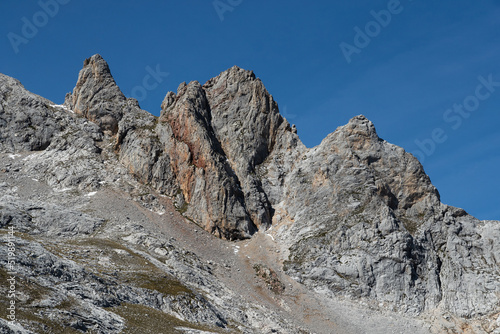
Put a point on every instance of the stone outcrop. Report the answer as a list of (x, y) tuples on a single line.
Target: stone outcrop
[(356, 216), (190, 150), (211, 190), (245, 120), (26, 119), (367, 222), (97, 97)]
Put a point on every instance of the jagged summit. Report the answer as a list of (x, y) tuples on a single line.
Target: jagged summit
[(97, 59), (359, 130), (233, 75), (353, 217), (361, 121), (96, 95)]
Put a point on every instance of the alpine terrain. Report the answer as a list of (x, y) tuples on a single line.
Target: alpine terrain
[(215, 218)]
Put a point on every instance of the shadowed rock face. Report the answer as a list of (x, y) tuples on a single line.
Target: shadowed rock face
[(246, 121), (358, 216), (208, 183), (207, 145)]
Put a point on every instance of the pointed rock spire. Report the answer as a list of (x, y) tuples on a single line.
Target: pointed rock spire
[(96, 95), (361, 126)]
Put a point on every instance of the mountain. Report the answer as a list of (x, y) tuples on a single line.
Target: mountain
[(215, 218)]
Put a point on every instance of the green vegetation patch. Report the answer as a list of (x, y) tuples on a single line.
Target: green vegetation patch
[(183, 208), (130, 267), (410, 225), (161, 283), (26, 314), (144, 320)]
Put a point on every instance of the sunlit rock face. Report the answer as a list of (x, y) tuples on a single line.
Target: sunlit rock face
[(356, 216)]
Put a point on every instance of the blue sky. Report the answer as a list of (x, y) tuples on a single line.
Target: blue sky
[(428, 58)]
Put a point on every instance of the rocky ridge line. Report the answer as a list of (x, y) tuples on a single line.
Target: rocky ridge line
[(356, 216)]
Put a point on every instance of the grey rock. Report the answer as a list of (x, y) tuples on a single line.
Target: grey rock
[(69, 153), (45, 219), (8, 327), (245, 120), (353, 218), (28, 121), (208, 184), (367, 222), (97, 97)]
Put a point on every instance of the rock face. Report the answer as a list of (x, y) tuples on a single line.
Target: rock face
[(246, 121), (32, 123), (367, 222), (25, 118), (191, 150), (205, 177), (356, 217), (96, 95)]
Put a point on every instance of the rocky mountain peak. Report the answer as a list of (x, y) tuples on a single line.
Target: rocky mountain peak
[(398, 175), (233, 75), (358, 133), (96, 95), (354, 217), (99, 68), (361, 125), (25, 118), (244, 110)]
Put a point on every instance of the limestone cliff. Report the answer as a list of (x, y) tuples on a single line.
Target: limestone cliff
[(355, 217)]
